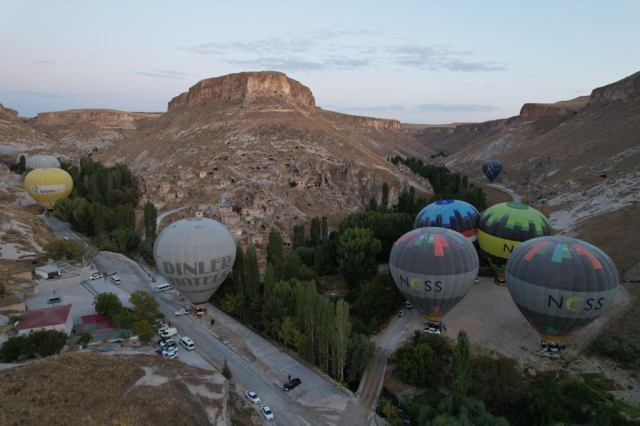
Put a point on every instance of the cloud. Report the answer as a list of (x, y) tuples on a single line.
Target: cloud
[(48, 95), (438, 58), (367, 109), (42, 62), (455, 108), (174, 75)]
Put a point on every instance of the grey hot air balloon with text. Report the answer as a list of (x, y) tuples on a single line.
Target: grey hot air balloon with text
[(195, 255), (42, 162)]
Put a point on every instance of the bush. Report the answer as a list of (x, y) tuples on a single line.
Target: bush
[(2, 290), (617, 346), (42, 343), (226, 371)]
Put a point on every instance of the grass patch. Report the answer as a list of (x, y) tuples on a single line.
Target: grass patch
[(430, 397), (631, 410), (600, 382)]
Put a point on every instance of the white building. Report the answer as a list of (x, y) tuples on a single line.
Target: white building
[(57, 318)]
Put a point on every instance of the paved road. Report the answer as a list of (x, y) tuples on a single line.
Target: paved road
[(516, 198)]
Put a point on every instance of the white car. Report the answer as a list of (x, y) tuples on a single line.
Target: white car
[(431, 330), (163, 327), (169, 351), (95, 276), (115, 279), (253, 397), (170, 355), (266, 412), (476, 281), (408, 305), (401, 313), (180, 312)]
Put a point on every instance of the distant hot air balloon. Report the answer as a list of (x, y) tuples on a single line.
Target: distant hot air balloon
[(504, 227), (195, 255), (8, 155), (42, 162), (46, 186), (451, 214), (434, 268), (491, 169), (560, 284)]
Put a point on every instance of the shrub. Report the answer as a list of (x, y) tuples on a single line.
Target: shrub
[(617, 346)]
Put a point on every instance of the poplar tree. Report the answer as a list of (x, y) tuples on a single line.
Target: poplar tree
[(462, 367)]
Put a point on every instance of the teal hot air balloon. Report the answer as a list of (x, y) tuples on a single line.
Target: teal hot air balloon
[(434, 268), (560, 284)]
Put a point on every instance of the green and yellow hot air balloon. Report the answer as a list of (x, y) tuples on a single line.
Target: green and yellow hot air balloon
[(46, 186), (504, 227)]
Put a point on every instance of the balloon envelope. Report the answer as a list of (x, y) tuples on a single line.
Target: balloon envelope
[(560, 284), (491, 169), (46, 186), (503, 227), (42, 162), (456, 215), (195, 255), (434, 268), (8, 154)]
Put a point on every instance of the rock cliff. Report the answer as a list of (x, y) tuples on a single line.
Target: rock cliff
[(356, 120), (558, 109), (8, 113), (626, 89), (77, 116), (248, 88)]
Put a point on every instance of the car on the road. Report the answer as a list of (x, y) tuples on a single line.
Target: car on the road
[(95, 276), (180, 312), (431, 330), (291, 384), (187, 343), (401, 313), (115, 279), (253, 397), (266, 412), (408, 305)]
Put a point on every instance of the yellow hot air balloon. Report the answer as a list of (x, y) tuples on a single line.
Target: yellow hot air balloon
[(46, 186)]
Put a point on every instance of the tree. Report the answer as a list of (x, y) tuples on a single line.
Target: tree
[(251, 274), (275, 253), (122, 319), (14, 349), (23, 164), (358, 255), (60, 249), (314, 232), (107, 304), (341, 334), (143, 330), (287, 331), (145, 306), (324, 318), (488, 371), (298, 236), (2, 289), (389, 410), (293, 265), (373, 204), (462, 366), (237, 272), (471, 412), (226, 371), (233, 303), (324, 229), (46, 342), (85, 339), (384, 204), (150, 217), (359, 352), (465, 181)]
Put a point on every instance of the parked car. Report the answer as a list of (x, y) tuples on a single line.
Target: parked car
[(291, 384), (401, 313), (476, 281), (163, 327), (253, 397), (408, 305), (266, 412), (115, 279), (170, 355), (168, 332), (180, 312), (169, 351), (165, 343), (95, 276), (431, 330)]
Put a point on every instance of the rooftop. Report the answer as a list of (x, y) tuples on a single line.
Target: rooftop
[(52, 267), (45, 317)]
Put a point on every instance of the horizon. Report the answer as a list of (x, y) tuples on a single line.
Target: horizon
[(423, 64)]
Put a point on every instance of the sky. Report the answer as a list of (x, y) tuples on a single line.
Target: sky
[(415, 61)]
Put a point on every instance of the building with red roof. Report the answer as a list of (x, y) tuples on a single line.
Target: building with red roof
[(57, 318)]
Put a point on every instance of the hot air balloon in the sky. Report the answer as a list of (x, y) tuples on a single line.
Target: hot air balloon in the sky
[(503, 227), (8, 155), (434, 268), (560, 284), (42, 162), (451, 214), (46, 186), (491, 169), (195, 255)]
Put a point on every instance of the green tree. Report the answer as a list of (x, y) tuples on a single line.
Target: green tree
[(373, 204), (60, 249), (389, 410), (150, 217), (46, 342), (324, 229), (251, 274), (358, 255), (462, 368), (341, 334), (85, 339), (233, 303), (324, 319), (384, 204), (359, 353), (470, 412), (145, 306), (107, 304), (293, 265), (2, 289), (122, 319), (275, 253), (287, 332), (143, 330), (14, 349), (488, 371), (226, 371), (23, 164), (238, 271), (298, 236), (314, 232)]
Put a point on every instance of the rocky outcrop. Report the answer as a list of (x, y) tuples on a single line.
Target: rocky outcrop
[(8, 113), (485, 127), (356, 120), (558, 109), (627, 89), (77, 116), (247, 87)]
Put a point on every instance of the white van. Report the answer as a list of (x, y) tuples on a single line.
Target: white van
[(115, 279), (163, 287), (187, 343), (168, 332)]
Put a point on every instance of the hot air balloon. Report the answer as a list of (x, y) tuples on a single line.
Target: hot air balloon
[(42, 162), (504, 227), (451, 214), (8, 155), (560, 284), (46, 186), (491, 169), (434, 268), (195, 255)]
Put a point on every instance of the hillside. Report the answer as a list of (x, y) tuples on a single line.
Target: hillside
[(578, 161), (14, 132), (259, 139), (60, 390)]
